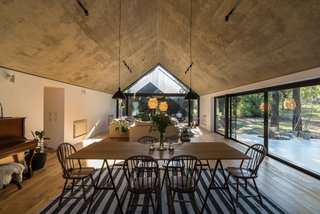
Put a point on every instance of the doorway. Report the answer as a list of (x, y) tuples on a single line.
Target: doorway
[(54, 116)]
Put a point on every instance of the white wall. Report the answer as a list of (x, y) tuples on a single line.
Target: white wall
[(25, 98), (207, 101)]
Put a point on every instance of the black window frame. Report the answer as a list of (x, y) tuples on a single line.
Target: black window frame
[(161, 94), (304, 83)]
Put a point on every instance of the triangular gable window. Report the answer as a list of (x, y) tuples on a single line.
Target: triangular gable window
[(158, 80)]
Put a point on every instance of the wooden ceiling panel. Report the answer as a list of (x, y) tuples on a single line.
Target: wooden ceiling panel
[(263, 39)]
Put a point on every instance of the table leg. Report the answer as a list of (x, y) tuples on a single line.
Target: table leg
[(114, 186), (212, 185), (97, 187)]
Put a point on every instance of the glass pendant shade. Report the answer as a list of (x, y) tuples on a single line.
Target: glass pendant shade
[(289, 103), (119, 95), (163, 106), (152, 103)]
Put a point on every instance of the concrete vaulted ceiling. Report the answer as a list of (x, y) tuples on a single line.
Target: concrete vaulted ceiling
[(263, 39)]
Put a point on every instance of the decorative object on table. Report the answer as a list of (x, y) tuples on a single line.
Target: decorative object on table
[(152, 147), (40, 157), (148, 140), (171, 148), (160, 122)]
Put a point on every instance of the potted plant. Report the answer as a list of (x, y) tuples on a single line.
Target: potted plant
[(40, 156), (160, 122), (122, 125)]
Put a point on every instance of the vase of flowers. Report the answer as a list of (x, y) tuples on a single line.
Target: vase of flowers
[(160, 122)]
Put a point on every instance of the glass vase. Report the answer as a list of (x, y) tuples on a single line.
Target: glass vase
[(161, 147)]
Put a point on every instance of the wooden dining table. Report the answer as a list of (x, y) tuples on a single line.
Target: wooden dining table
[(105, 150)]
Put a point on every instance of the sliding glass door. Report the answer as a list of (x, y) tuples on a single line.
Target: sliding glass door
[(220, 114), (247, 118), (294, 126), (286, 119)]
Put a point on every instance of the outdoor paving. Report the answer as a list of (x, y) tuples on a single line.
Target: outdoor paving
[(305, 153)]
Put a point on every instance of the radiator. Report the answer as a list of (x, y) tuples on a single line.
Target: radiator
[(79, 128)]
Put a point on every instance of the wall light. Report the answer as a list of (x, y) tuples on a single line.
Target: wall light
[(11, 77)]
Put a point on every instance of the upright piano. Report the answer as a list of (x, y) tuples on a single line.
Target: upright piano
[(12, 140)]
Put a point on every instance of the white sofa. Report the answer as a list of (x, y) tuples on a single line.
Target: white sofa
[(142, 128)]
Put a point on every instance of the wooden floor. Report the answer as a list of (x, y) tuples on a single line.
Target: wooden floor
[(293, 190)]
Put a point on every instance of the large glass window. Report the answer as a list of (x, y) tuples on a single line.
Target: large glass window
[(158, 80), (161, 84), (220, 115), (294, 126), (290, 130), (247, 118), (177, 107)]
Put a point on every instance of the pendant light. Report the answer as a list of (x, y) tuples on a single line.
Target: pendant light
[(190, 95), (119, 94)]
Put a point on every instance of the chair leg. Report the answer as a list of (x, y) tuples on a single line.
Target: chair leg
[(17, 183), (91, 200), (63, 190), (246, 183), (257, 191), (92, 180), (227, 179), (164, 177), (194, 204), (130, 201), (72, 185), (84, 190), (152, 203), (171, 201), (237, 196)]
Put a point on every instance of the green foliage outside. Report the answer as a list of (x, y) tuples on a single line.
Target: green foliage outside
[(248, 118), (248, 105)]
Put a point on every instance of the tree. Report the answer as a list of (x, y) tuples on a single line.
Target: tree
[(275, 110), (296, 118)]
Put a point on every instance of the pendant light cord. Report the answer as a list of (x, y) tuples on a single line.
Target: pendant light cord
[(119, 37), (190, 22)]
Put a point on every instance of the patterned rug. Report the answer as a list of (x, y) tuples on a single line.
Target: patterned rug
[(105, 201)]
